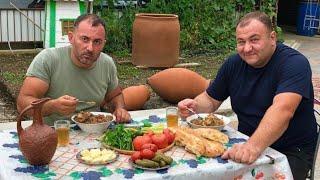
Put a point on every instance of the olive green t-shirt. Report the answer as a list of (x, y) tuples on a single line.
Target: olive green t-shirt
[(54, 66)]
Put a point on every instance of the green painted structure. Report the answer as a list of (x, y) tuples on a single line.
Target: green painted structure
[(55, 12)]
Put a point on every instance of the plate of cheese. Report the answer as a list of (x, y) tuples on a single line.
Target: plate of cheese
[(97, 156)]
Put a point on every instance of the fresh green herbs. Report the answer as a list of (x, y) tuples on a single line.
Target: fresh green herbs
[(120, 137)]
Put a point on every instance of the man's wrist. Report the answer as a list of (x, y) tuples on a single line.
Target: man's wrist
[(257, 146), (49, 107)]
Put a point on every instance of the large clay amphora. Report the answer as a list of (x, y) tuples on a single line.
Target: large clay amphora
[(155, 40), (37, 142)]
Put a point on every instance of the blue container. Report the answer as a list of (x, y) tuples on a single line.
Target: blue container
[(307, 9)]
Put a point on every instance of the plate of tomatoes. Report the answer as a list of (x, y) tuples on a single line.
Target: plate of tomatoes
[(161, 142)]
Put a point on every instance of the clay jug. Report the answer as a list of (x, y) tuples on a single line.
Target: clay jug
[(155, 40), (37, 142)]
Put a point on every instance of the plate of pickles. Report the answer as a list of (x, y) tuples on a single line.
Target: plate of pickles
[(159, 162)]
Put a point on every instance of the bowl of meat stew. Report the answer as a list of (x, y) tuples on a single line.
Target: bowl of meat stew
[(93, 122), (211, 120)]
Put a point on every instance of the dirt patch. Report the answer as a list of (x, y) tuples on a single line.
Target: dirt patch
[(14, 67)]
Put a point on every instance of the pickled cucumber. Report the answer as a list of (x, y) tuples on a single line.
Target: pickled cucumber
[(162, 163), (165, 158), (147, 163), (157, 158)]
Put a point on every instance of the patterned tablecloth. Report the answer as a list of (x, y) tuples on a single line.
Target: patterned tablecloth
[(64, 165)]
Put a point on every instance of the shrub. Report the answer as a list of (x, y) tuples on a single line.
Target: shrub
[(206, 25)]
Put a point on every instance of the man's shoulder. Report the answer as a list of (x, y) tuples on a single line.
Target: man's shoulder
[(283, 50), (287, 55), (234, 59), (50, 53), (105, 59)]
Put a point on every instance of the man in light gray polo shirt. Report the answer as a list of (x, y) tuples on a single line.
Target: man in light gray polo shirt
[(80, 71)]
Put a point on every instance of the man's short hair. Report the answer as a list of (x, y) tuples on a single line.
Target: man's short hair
[(257, 15), (93, 18)]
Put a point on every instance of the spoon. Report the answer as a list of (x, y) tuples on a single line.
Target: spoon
[(87, 102), (193, 112)]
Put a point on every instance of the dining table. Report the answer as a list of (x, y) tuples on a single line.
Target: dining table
[(64, 165)]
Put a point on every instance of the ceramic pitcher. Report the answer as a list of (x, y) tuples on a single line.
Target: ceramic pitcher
[(37, 142)]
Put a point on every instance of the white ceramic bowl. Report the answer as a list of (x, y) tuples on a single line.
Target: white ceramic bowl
[(225, 120), (96, 127)]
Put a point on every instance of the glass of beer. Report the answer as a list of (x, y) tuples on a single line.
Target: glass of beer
[(172, 116), (62, 129)]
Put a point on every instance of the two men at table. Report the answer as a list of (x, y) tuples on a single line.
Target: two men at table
[(271, 92), (80, 71)]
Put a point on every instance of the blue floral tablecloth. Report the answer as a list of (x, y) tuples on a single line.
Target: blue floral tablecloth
[(64, 165)]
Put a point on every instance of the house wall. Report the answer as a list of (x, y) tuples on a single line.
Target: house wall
[(65, 10), (14, 27)]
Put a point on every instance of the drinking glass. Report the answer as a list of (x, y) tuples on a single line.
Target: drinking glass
[(172, 116), (62, 128)]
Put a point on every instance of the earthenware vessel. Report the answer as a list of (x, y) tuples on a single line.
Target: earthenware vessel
[(37, 142), (155, 40), (135, 97)]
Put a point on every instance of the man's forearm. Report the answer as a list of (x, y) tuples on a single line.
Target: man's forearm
[(25, 101), (271, 127), (117, 102), (206, 104)]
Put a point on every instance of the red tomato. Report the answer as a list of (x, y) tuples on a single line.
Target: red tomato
[(150, 146), (170, 136), (136, 155), (160, 140), (147, 154), (139, 141), (149, 133)]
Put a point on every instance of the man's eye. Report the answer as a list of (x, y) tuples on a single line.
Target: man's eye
[(254, 40), (240, 42), (85, 39), (97, 42)]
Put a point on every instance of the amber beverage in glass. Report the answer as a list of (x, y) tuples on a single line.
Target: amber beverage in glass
[(172, 116), (62, 129)]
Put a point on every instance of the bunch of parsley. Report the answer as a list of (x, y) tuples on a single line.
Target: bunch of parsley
[(120, 137)]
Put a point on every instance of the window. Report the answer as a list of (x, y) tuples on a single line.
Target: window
[(67, 25)]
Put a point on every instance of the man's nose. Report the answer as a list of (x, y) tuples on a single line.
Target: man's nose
[(247, 47), (90, 46)]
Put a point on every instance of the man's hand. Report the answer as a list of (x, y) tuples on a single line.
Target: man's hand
[(122, 115), (64, 105), (184, 104), (242, 153)]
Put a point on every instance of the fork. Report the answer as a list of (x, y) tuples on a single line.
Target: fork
[(193, 112)]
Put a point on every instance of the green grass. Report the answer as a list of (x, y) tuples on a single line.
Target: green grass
[(13, 78)]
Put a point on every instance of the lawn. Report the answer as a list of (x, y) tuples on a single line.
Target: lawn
[(14, 66)]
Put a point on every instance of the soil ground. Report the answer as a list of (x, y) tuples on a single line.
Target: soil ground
[(14, 66)]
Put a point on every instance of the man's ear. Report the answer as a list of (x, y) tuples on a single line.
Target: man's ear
[(70, 36), (273, 36)]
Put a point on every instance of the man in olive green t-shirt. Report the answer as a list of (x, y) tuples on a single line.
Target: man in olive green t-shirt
[(77, 72)]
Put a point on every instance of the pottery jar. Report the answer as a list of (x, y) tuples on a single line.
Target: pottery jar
[(155, 40)]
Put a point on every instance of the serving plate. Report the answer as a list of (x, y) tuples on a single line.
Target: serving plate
[(129, 152), (225, 120), (78, 156), (146, 168)]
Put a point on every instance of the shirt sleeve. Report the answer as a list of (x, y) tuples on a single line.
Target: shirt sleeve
[(218, 89), (295, 76), (39, 67), (113, 80)]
